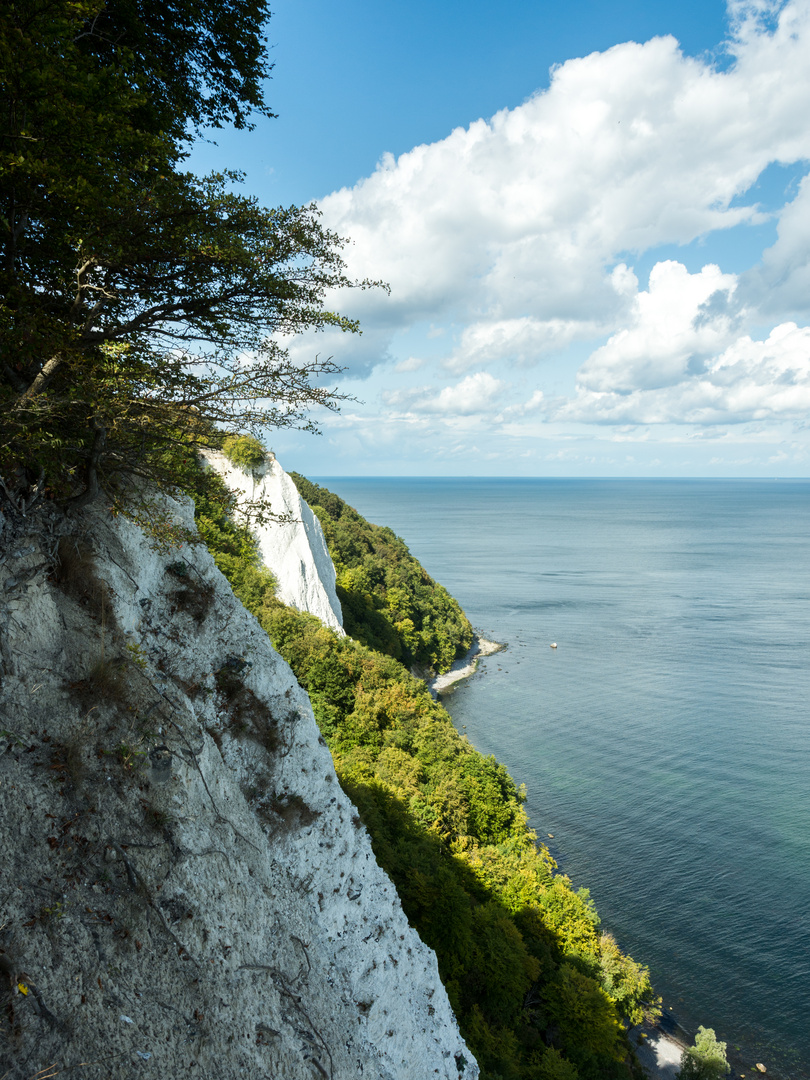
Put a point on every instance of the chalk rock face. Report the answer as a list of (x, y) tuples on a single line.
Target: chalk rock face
[(296, 553), (186, 889)]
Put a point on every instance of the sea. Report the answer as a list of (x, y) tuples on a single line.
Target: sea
[(665, 742)]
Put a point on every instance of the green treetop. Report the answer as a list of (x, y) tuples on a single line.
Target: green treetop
[(141, 306), (706, 1060)]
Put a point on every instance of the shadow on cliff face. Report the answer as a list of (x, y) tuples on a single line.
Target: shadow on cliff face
[(525, 1008), (153, 919)]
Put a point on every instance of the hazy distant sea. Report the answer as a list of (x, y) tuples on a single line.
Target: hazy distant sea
[(666, 742)]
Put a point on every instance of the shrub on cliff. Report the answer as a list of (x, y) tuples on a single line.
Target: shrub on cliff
[(244, 451)]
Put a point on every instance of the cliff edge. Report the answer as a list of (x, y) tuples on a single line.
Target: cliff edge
[(186, 890), (295, 551)]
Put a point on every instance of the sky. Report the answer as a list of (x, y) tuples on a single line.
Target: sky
[(594, 219)]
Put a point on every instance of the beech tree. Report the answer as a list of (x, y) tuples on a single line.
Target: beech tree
[(143, 309)]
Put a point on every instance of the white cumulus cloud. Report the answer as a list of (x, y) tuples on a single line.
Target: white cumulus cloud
[(476, 393), (750, 380), (519, 220), (678, 324)]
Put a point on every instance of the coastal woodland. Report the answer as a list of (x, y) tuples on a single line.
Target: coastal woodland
[(131, 291), (388, 600), (539, 989)]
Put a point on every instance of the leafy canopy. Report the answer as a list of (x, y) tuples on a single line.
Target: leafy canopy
[(141, 306), (198, 63), (706, 1060)]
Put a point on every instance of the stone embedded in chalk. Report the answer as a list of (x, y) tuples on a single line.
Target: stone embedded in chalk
[(160, 764)]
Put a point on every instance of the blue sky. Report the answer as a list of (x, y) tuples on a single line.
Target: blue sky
[(593, 218)]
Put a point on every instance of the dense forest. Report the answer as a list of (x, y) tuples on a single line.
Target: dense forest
[(540, 991)]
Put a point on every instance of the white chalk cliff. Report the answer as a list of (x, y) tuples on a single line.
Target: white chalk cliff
[(186, 891), (295, 552)]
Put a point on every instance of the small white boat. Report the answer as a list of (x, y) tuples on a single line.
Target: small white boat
[(554, 644)]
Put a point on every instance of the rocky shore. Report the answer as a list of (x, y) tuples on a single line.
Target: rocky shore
[(465, 666), (658, 1051)]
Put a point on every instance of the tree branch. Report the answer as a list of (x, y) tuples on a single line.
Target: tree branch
[(49, 369)]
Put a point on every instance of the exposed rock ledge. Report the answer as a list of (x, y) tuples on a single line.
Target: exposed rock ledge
[(186, 891)]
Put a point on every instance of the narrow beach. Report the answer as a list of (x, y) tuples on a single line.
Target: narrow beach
[(466, 665), (658, 1052)]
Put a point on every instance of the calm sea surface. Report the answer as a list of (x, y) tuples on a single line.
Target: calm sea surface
[(666, 742)]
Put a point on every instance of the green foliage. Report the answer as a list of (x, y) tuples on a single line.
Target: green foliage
[(538, 991), (388, 601), (620, 977), (244, 451), (130, 290), (201, 63), (586, 1019), (553, 1066), (706, 1060)]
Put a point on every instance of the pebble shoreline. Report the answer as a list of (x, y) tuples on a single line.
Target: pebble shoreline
[(463, 668), (658, 1052)]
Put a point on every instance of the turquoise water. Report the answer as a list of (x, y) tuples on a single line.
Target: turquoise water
[(666, 742)]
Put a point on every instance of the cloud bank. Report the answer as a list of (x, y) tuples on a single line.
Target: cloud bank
[(517, 238)]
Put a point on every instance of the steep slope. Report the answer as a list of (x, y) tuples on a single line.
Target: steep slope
[(540, 993), (185, 888), (295, 552)]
